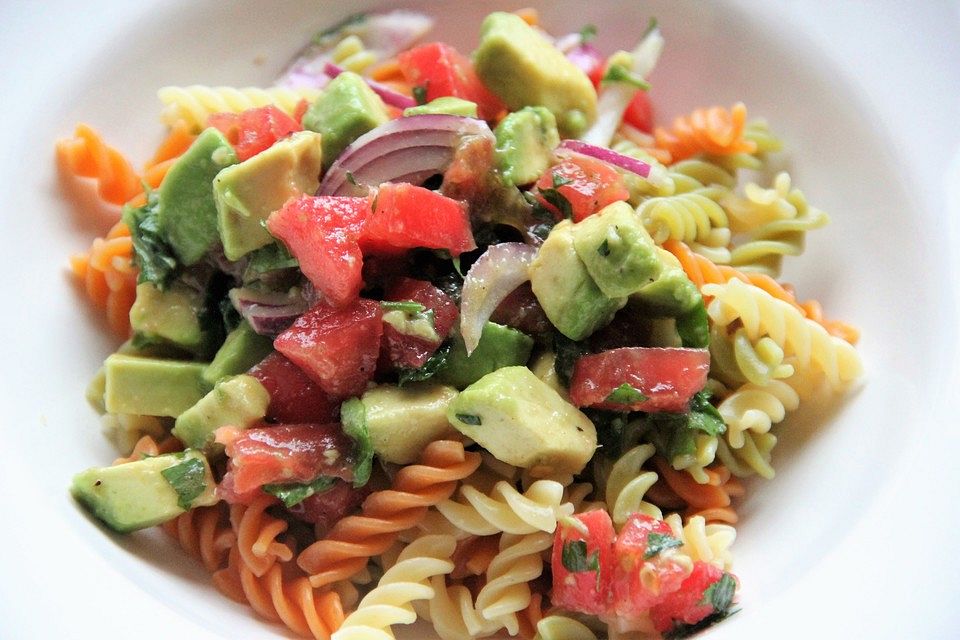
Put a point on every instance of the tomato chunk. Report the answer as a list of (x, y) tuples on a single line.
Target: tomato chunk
[(337, 348), (639, 112), (324, 509), (282, 454), (407, 216), (294, 397), (412, 351), (322, 232), (706, 591), (580, 186), (443, 71), (648, 568), (583, 563), (644, 378), (254, 130)]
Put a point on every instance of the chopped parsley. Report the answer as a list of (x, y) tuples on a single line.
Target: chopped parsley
[(272, 257), (188, 478), (694, 327), (430, 368), (152, 254), (626, 394), (420, 94), (469, 418), (604, 248), (659, 542), (556, 199), (719, 595), (574, 557), (674, 433), (293, 494)]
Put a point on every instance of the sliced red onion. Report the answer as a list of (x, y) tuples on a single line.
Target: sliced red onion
[(500, 270), (655, 174), (414, 147), (388, 95), (269, 313), (586, 57)]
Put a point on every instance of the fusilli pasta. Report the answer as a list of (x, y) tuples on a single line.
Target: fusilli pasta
[(196, 103)]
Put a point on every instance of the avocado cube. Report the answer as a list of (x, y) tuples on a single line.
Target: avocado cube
[(239, 401), (171, 316), (616, 249), (570, 298), (521, 67), (672, 294), (186, 210), (247, 193), (522, 421), (346, 110), (499, 346), (445, 105), (403, 420), (147, 492), (152, 386), (525, 143), (242, 349)]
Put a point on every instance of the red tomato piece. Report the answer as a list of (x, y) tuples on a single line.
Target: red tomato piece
[(324, 509), (322, 232), (406, 216), (254, 130), (580, 186), (583, 563), (666, 377), (403, 350), (337, 348), (443, 71), (522, 311), (688, 604), (294, 453), (642, 579), (639, 112), (294, 397)]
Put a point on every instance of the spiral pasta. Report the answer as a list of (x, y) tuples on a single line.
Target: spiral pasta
[(389, 602), (507, 589), (109, 276), (756, 408), (385, 514), (87, 155), (257, 533), (736, 359), (627, 483), (454, 614), (752, 458), (558, 627), (704, 542), (713, 130), (506, 509), (693, 217), (147, 447), (710, 500), (196, 103), (697, 173), (204, 533)]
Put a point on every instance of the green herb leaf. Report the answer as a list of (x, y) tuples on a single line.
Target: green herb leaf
[(604, 248), (420, 94), (353, 417), (681, 631), (588, 33), (272, 257), (567, 353), (720, 594), (406, 306), (626, 394), (152, 254), (351, 178), (620, 73), (659, 542), (574, 557), (704, 416), (430, 368), (188, 479), (553, 197), (469, 418), (293, 494), (694, 327)]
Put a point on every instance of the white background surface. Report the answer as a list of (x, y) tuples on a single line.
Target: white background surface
[(854, 537)]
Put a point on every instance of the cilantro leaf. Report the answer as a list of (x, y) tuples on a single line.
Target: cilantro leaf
[(680, 631), (152, 254), (673, 433), (659, 542), (719, 595), (469, 418), (626, 394), (553, 197), (704, 416), (587, 33), (604, 248), (353, 416), (188, 479), (694, 327), (406, 306), (430, 368), (620, 73), (270, 258), (293, 494), (420, 94), (568, 352), (574, 557)]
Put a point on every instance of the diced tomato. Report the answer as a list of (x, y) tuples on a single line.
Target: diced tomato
[(667, 378), (443, 71), (403, 350), (406, 216), (522, 311), (324, 509), (294, 397), (580, 186), (322, 232), (647, 570), (254, 130), (639, 112), (583, 563), (337, 348), (294, 453), (689, 604)]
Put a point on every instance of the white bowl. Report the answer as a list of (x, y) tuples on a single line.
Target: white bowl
[(852, 537)]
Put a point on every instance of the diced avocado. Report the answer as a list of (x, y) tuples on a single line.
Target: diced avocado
[(570, 298), (499, 346), (522, 421), (521, 67), (96, 390), (418, 324), (672, 293), (187, 213), (144, 493), (247, 193), (525, 143), (239, 401), (346, 110), (151, 386), (171, 316), (543, 366), (616, 249), (402, 421), (446, 104), (242, 349), (124, 430)]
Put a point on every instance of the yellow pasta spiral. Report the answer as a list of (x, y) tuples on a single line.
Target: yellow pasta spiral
[(196, 103)]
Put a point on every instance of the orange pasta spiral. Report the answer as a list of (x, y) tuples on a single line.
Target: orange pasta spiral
[(701, 270), (148, 447), (204, 533), (712, 130), (257, 533), (109, 277), (88, 156), (354, 539), (712, 500)]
